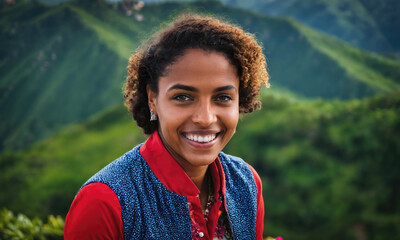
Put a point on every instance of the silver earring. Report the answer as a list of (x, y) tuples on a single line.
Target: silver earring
[(153, 116)]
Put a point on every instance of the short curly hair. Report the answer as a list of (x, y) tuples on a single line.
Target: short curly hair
[(149, 63)]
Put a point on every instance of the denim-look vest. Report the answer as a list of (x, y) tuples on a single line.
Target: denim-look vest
[(151, 211)]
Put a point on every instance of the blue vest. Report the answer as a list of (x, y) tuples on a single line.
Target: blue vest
[(151, 211)]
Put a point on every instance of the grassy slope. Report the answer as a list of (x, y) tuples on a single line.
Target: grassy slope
[(366, 67), (347, 19), (387, 17), (76, 90)]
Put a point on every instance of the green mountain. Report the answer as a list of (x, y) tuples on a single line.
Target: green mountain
[(62, 63), (387, 17), (329, 168), (367, 24), (59, 65)]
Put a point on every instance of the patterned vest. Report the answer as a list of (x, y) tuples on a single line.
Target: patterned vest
[(151, 211)]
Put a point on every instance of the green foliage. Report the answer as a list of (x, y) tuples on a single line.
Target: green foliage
[(329, 168), (16, 227), (20, 227), (47, 176)]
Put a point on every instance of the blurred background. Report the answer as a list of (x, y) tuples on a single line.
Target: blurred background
[(326, 142)]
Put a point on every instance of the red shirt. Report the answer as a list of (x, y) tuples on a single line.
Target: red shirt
[(95, 212)]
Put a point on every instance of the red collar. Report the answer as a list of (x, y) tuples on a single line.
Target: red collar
[(170, 173)]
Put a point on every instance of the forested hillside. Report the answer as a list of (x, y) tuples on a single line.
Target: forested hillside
[(328, 168), (62, 63)]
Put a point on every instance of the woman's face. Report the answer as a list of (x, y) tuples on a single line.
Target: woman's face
[(197, 106)]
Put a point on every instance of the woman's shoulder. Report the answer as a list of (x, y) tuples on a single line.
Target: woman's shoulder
[(95, 205), (97, 194)]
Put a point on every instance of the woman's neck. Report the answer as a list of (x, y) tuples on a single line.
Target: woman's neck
[(202, 182), (196, 173), (198, 177)]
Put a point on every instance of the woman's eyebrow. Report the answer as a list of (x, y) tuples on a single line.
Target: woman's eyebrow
[(193, 89), (183, 87), (224, 88)]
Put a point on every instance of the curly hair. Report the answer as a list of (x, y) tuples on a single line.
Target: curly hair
[(149, 63)]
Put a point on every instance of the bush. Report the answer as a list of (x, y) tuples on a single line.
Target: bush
[(15, 227)]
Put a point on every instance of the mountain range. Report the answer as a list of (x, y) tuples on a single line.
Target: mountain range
[(368, 24), (62, 63)]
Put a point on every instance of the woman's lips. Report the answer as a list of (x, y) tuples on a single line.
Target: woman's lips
[(201, 140)]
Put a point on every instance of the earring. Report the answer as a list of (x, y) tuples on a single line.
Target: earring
[(153, 116)]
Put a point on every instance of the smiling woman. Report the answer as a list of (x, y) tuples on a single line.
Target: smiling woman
[(197, 105), (186, 87)]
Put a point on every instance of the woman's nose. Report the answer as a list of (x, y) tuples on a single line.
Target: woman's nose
[(204, 114)]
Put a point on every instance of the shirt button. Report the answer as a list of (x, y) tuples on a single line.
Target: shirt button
[(201, 234)]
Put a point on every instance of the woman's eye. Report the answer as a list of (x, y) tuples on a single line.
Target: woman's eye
[(223, 98), (181, 98)]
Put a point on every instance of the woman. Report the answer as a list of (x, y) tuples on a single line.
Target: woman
[(186, 88)]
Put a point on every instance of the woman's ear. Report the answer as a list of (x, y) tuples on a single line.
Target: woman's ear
[(151, 99)]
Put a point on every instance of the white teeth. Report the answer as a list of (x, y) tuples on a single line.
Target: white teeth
[(202, 139)]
